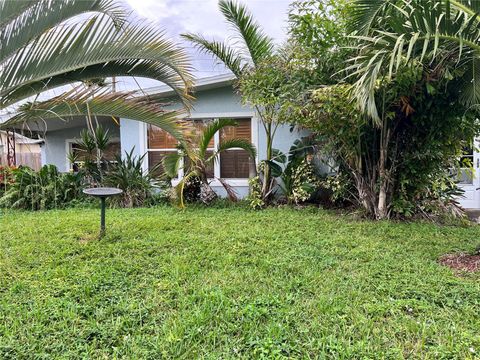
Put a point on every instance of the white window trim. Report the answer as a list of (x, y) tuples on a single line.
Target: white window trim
[(214, 116)]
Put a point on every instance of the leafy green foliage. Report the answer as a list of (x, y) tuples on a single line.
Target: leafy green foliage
[(426, 137), (279, 84), (442, 36), (223, 283), (91, 147), (412, 64), (297, 174), (301, 183), (319, 42), (246, 56), (42, 190), (254, 197), (127, 174), (50, 189)]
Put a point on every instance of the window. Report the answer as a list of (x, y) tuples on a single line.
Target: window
[(159, 144), (233, 164)]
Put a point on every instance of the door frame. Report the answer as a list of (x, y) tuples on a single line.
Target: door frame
[(471, 196)]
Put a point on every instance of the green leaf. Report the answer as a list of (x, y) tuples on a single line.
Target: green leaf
[(275, 169), (279, 156)]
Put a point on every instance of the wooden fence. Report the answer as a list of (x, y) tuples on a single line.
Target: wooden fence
[(29, 159)]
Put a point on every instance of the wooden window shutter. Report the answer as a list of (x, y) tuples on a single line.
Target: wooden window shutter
[(160, 139), (199, 125), (242, 131), (235, 164), (155, 161)]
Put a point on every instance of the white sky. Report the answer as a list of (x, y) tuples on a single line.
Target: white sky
[(202, 16)]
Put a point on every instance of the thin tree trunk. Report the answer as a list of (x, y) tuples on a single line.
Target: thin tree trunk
[(382, 208), (266, 171)]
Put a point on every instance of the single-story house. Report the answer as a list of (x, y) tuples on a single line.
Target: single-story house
[(215, 98)]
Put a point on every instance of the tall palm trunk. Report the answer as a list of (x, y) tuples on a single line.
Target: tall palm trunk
[(382, 207)]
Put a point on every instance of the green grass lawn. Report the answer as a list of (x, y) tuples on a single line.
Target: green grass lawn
[(229, 283)]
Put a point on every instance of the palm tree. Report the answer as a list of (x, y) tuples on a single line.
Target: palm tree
[(255, 48), (197, 160), (441, 37), (47, 44), (432, 33)]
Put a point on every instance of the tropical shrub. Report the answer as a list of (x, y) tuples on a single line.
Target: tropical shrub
[(139, 187), (421, 142), (408, 103), (90, 154), (339, 189), (254, 197), (298, 176), (42, 190), (49, 189), (295, 178), (304, 182)]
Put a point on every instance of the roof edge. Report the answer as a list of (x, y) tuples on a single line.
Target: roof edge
[(206, 83)]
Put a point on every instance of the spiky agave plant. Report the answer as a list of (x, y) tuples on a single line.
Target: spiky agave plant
[(197, 160), (46, 44)]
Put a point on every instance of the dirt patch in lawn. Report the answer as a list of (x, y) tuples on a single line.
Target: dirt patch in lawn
[(461, 262)]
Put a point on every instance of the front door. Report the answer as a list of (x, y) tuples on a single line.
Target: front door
[(470, 177)]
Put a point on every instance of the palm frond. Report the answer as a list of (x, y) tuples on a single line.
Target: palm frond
[(209, 132), (364, 13), (76, 103), (471, 7), (426, 33), (234, 144), (470, 86), (24, 21), (12, 9), (259, 45), (238, 144), (227, 55), (96, 43), (171, 164), (128, 67)]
